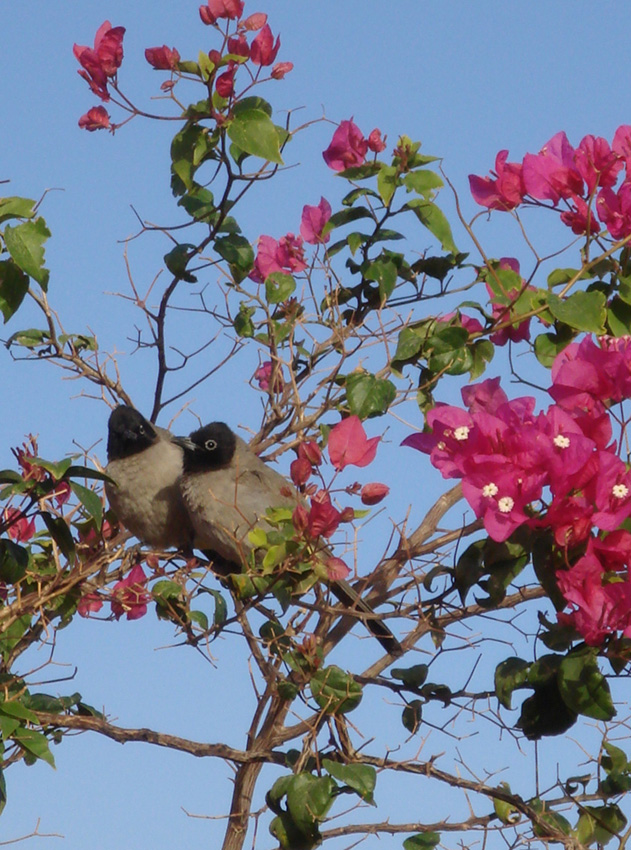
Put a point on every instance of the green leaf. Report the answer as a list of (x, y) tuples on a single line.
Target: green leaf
[(412, 716), (447, 351), (189, 148), (335, 691), (75, 471), (387, 180), (13, 288), (619, 317), (199, 618), (435, 221), (53, 705), (60, 532), (178, 258), (15, 709), (252, 102), (583, 687), (361, 172), (25, 243), (198, 203), (548, 345), (583, 311), (13, 561), (615, 760), (90, 500), (242, 323), (385, 274), (412, 677), (559, 277), (3, 791), (34, 743), (367, 395), (15, 207), (254, 132), (342, 217), (509, 675), (598, 825), (422, 841), (423, 182), (30, 338), (309, 798), (221, 609), (506, 812), (362, 778), (278, 287), (236, 250)]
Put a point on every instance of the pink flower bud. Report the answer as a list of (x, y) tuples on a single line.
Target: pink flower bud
[(162, 58), (96, 118), (375, 142), (311, 451), (373, 493), (300, 471), (280, 69)]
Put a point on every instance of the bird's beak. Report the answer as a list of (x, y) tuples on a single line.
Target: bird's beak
[(185, 443)]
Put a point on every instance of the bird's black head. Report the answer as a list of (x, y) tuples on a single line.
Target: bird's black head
[(208, 448), (128, 432)]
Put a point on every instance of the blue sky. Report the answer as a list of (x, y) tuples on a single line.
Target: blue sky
[(466, 78)]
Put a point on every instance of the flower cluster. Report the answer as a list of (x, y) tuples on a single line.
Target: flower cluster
[(580, 182), (129, 596), (348, 146), (100, 64), (558, 469), (287, 253)]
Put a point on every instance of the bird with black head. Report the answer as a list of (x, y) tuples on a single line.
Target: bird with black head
[(227, 490)]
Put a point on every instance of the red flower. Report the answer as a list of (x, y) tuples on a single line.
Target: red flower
[(254, 22), (238, 46), (506, 191), (130, 596), (311, 451), (19, 527), (96, 118), (313, 222), (214, 9), (263, 376), (375, 142), (62, 493), (348, 147), (552, 173), (103, 60), (88, 604), (323, 517), (284, 255), (280, 69), (300, 471), (225, 81), (372, 494), (162, 58), (263, 50), (336, 569), (348, 444)]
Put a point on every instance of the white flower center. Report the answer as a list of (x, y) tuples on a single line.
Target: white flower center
[(561, 442), (461, 433), (440, 445), (506, 504), (490, 489), (620, 491)]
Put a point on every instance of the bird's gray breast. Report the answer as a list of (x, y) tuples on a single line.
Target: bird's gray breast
[(147, 498)]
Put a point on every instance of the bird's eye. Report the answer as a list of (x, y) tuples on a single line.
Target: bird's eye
[(141, 430), (210, 445)]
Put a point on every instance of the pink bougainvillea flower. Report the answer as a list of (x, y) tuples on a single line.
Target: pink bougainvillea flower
[(89, 604), (263, 376), (96, 118), (19, 527), (162, 58), (375, 142), (614, 210), (224, 83), (280, 69), (601, 603), (597, 164), (552, 173), (263, 50), (373, 493), (580, 217), (62, 493), (348, 147), (336, 569), (313, 221), (130, 596), (506, 191), (621, 144), (254, 22), (214, 9), (500, 498), (323, 518), (613, 492), (311, 451), (284, 255), (238, 46), (349, 445), (300, 471), (103, 60)]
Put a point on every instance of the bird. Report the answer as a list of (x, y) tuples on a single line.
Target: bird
[(145, 464), (227, 490)]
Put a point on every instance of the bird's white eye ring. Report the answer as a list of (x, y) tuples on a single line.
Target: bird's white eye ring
[(210, 445), (141, 429)]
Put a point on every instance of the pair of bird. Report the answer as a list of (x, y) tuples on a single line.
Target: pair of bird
[(205, 491)]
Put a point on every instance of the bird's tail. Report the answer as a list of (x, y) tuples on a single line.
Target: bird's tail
[(349, 597)]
